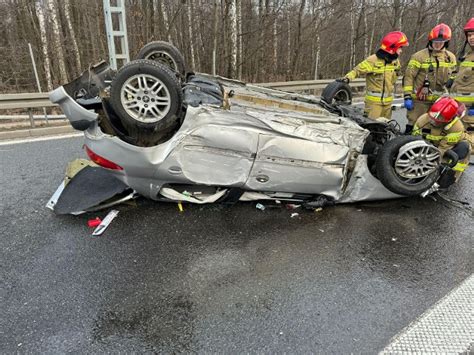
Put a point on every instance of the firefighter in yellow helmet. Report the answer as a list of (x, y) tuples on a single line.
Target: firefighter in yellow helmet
[(463, 87), (427, 73), (380, 70), (442, 126)]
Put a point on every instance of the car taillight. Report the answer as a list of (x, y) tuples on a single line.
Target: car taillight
[(101, 161)]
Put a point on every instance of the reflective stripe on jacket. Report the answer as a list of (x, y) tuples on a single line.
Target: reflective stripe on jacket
[(463, 87), (380, 78), (437, 67), (444, 137)]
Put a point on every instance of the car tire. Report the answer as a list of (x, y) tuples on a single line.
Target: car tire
[(388, 175), (337, 93), (147, 98), (164, 53)]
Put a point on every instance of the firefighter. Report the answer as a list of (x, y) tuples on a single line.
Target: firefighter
[(380, 70), (463, 87), (427, 73), (442, 126)]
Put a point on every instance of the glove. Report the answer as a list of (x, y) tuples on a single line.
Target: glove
[(451, 157), (343, 80), (408, 103), (470, 112), (449, 83), (424, 91)]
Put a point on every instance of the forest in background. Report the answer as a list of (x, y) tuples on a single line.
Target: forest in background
[(254, 40)]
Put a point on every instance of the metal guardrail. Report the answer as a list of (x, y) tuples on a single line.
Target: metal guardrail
[(28, 101), (25, 101), (311, 84)]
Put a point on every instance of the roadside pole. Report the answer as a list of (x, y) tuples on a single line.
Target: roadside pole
[(39, 88)]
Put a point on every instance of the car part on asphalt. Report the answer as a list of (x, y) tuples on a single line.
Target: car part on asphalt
[(408, 165), (90, 187), (105, 223), (164, 53)]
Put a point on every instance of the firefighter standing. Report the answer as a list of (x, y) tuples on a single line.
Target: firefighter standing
[(442, 126), (427, 73), (463, 87), (380, 70)]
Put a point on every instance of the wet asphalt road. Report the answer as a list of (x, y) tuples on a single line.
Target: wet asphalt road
[(215, 278)]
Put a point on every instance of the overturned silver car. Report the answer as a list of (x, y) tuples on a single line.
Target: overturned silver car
[(171, 135)]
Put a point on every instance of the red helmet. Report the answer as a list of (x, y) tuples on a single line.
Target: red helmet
[(445, 109), (469, 26), (394, 40), (440, 33)]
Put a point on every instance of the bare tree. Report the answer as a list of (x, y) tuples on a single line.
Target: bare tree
[(233, 37), (189, 11), (77, 54), (58, 48), (44, 44), (255, 40)]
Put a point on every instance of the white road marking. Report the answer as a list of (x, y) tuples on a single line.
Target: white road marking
[(446, 328), (39, 139)]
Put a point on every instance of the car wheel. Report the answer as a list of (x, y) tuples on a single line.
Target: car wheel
[(337, 93), (408, 165), (147, 98), (164, 53)]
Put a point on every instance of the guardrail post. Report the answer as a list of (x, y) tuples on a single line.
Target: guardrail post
[(37, 80), (32, 121)]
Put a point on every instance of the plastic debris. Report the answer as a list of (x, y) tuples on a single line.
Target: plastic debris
[(92, 223), (319, 209), (105, 223), (321, 230), (277, 202), (260, 207), (293, 215), (180, 207), (394, 239), (292, 206)]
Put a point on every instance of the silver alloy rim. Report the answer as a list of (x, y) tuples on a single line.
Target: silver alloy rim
[(417, 160), (145, 98), (341, 97), (163, 57)]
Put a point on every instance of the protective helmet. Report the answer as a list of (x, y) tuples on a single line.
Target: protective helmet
[(469, 26), (440, 33), (392, 41), (445, 109)]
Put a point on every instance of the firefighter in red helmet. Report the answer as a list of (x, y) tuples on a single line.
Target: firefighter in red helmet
[(428, 73), (442, 127), (463, 87), (380, 71)]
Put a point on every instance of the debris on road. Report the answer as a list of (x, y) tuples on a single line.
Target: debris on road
[(319, 209), (92, 223), (180, 207), (293, 215), (105, 223), (292, 206), (260, 207)]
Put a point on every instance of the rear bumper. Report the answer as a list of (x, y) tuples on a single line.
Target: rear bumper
[(79, 117)]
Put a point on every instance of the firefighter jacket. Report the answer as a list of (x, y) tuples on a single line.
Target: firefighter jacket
[(436, 67), (380, 78), (444, 137), (463, 87)]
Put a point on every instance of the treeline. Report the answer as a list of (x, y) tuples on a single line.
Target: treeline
[(254, 40)]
